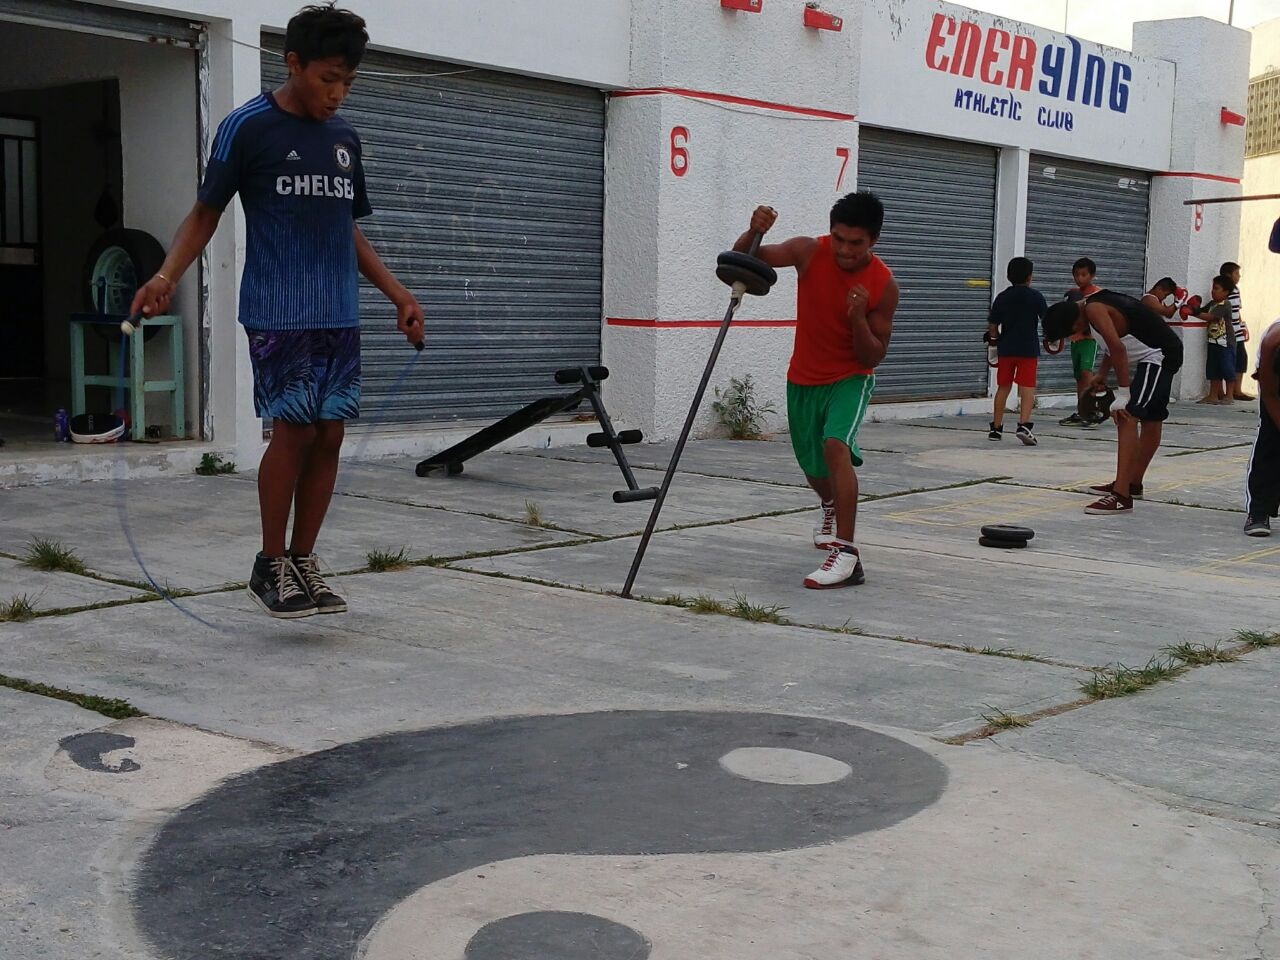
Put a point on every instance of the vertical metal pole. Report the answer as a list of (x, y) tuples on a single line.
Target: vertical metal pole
[(684, 436), (1231, 13)]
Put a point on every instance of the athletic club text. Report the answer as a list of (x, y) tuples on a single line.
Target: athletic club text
[(1000, 59)]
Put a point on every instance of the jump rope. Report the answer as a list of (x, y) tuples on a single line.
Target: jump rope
[(129, 327)]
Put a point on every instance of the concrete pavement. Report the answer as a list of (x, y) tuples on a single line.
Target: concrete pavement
[(492, 749)]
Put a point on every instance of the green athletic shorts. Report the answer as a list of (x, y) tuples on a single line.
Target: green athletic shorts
[(1083, 354), (830, 411)]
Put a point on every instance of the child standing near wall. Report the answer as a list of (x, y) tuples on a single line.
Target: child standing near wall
[(1014, 326), (1220, 362)]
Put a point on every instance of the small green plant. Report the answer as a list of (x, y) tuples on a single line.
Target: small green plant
[(739, 411), (675, 600), (51, 555), (107, 706), (1198, 654), (17, 609), (1120, 681), (533, 515), (1257, 639), (740, 606), (1002, 720), (381, 561), (704, 604), (212, 464)]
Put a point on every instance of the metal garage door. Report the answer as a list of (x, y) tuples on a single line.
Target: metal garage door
[(105, 21), (488, 197), (1079, 210), (940, 210)]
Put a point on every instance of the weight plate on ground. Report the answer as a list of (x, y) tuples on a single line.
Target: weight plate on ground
[(1007, 531), (1003, 544)]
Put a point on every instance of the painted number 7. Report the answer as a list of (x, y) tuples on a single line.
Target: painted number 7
[(843, 154)]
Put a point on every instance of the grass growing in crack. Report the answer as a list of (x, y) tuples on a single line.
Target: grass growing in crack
[(1008, 653), (1120, 681), (704, 604), (107, 706), (1199, 654), (675, 600), (1002, 720), (1257, 639), (740, 606), (533, 515), (212, 464), (51, 555), (17, 609), (381, 561)]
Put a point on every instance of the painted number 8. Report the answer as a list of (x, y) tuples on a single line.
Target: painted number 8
[(679, 151)]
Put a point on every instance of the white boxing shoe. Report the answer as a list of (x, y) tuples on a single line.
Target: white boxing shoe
[(842, 568), (824, 531)]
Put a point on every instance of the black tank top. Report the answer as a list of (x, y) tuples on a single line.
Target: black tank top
[(1146, 325)]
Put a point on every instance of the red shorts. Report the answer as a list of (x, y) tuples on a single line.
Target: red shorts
[(1019, 370)]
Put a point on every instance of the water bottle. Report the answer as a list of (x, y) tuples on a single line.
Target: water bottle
[(61, 426)]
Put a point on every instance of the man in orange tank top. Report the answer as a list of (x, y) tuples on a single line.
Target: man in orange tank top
[(845, 301)]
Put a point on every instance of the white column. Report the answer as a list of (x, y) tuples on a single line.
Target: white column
[(1189, 243), (1012, 173)]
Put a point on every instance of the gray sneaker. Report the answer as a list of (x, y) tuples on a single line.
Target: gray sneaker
[(1258, 527), (326, 601), (275, 586), (1075, 420)]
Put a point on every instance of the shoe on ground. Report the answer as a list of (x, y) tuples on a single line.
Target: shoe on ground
[(326, 601), (1110, 504), (1102, 489), (1258, 527), (995, 433), (276, 586), (824, 531), (842, 568), (1075, 420), (1025, 435)]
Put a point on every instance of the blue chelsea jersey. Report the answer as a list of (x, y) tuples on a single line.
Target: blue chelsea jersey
[(301, 183)]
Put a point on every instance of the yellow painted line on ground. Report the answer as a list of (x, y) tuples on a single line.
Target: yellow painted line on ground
[(1244, 558)]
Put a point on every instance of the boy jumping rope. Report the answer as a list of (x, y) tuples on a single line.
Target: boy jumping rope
[(297, 167), (846, 298)]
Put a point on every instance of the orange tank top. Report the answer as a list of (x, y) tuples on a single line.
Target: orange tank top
[(823, 351)]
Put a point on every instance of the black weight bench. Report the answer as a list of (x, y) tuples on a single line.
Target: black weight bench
[(450, 461)]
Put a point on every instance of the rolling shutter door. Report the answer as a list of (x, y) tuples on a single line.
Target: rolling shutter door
[(1079, 210), (939, 232), (488, 198)]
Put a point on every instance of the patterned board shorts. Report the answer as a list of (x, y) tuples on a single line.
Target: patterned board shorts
[(302, 376)]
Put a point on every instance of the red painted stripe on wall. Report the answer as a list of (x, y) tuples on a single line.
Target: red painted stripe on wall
[(651, 323), (1198, 176), (740, 101)]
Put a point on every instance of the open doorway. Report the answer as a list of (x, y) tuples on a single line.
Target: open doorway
[(61, 154), (82, 157)]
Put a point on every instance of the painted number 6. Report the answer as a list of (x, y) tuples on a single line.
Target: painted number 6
[(1199, 208), (679, 151)]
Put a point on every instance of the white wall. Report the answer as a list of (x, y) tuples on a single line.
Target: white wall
[(586, 41), (1260, 286), (663, 230), (1207, 158), (158, 144), (923, 62)]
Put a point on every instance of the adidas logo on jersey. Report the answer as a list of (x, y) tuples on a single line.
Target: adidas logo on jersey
[(293, 155)]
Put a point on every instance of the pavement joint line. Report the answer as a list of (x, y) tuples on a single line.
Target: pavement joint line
[(665, 601), (113, 707), (1182, 669), (1168, 503)]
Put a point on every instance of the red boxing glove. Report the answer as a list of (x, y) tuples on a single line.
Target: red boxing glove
[(1179, 294)]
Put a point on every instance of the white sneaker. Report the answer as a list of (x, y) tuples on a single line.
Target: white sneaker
[(824, 531), (840, 569)]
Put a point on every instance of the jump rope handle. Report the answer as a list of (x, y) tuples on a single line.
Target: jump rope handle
[(130, 324)]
